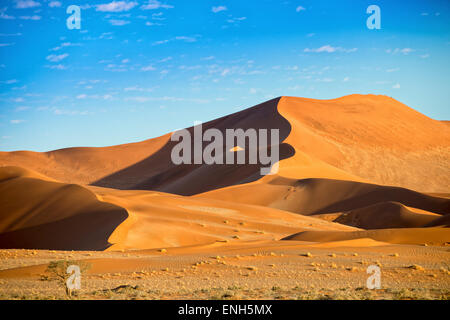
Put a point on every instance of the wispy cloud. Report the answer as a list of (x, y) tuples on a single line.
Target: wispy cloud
[(34, 17), (65, 44), (405, 51), (116, 6), (54, 4), (330, 49), (17, 121), (9, 81), (148, 68), (154, 4), (392, 69), (57, 58), (396, 86), (178, 38), (10, 34), (117, 22), (300, 8), (219, 9), (4, 16), (7, 44), (25, 4), (56, 67)]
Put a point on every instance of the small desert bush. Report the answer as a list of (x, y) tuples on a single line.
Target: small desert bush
[(57, 270)]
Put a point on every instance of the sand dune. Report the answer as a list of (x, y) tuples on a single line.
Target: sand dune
[(40, 214), (320, 196), (418, 236), (385, 215), (368, 139), (346, 166)]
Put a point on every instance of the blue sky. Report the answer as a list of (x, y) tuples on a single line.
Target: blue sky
[(139, 69)]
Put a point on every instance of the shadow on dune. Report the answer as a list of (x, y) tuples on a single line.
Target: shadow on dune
[(158, 172), (40, 214), (320, 196)]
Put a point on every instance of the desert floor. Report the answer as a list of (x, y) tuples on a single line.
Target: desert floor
[(254, 270)]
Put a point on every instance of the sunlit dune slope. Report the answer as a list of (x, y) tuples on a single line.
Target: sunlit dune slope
[(373, 137)]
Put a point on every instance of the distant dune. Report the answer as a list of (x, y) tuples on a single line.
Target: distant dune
[(347, 166)]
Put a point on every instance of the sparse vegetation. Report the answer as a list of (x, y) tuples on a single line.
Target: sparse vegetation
[(57, 270)]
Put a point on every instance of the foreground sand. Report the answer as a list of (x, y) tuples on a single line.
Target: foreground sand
[(253, 270)]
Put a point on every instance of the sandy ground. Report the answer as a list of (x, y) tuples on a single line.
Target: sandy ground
[(253, 270)]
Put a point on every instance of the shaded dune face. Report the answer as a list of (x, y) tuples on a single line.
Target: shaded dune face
[(322, 196), (39, 214), (436, 236), (385, 215), (318, 196), (189, 179)]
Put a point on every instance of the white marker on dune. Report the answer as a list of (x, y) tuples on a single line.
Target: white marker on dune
[(258, 147)]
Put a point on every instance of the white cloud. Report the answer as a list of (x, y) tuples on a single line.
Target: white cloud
[(138, 99), (57, 67), (346, 79), (65, 44), (25, 4), (4, 16), (424, 56), (154, 4), (17, 121), (57, 58), (54, 4), (396, 86), (405, 51), (218, 9), (116, 6), (115, 22), (148, 23), (300, 8), (148, 68), (234, 20), (187, 39), (393, 70), (328, 48), (34, 17), (179, 38), (10, 34), (9, 81)]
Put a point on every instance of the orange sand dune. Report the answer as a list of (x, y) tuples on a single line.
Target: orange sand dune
[(369, 136), (385, 215), (40, 214), (358, 157), (364, 138), (319, 196), (161, 220), (432, 236)]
